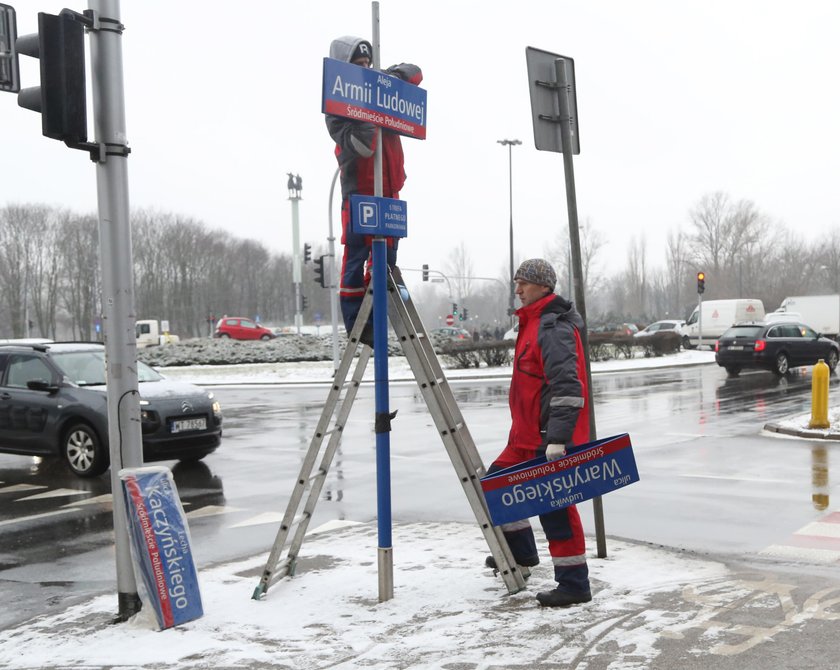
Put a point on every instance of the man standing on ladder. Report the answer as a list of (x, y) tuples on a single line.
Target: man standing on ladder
[(549, 412), (354, 150)]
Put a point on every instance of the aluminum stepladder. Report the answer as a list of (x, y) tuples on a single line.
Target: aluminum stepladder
[(449, 422)]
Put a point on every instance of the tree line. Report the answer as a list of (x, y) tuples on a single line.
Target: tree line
[(192, 275), (50, 274)]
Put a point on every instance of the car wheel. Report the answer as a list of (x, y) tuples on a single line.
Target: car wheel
[(83, 451), (733, 370), (831, 360), (265, 338), (782, 364), (686, 343), (225, 336)]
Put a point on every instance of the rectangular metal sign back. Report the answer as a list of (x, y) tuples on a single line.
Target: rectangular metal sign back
[(545, 107), (539, 486), (370, 215), (364, 94)]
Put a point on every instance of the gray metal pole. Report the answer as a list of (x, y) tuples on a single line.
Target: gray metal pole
[(332, 280), (124, 434), (574, 239), (511, 292), (296, 275)]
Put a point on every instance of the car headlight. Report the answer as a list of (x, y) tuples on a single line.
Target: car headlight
[(217, 408)]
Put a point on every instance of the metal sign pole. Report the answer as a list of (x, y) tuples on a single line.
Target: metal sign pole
[(574, 238), (380, 366), (331, 281), (296, 274), (124, 433)]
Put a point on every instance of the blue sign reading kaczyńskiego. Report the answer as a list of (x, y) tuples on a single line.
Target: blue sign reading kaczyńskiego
[(370, 215), (539, 486), (160, 545), (363, 94)]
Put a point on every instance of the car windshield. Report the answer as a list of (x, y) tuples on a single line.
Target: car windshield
[(87, 368), (741, 332)]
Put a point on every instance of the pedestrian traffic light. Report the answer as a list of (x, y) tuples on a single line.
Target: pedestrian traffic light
[(320, 274), (425, 272), (304, 302), (307, 253), (59, 45), (9, 69), (701, 282)]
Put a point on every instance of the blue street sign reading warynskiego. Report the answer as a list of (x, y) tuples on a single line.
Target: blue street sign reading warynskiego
[(386, 217), (363, 94), (539, 486)]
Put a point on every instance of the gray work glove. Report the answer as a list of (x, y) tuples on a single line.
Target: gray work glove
[(555, 451)]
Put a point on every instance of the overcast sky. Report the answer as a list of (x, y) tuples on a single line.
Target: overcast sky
[(675, 100)]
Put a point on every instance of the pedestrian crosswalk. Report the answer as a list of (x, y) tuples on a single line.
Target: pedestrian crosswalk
[(816, 542)]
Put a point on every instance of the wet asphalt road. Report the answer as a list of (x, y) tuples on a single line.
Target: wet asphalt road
[(710, 480)]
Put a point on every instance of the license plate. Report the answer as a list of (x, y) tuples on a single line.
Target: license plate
[(736, 347), (183, 425)]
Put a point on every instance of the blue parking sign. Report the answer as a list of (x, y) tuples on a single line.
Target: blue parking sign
[(386, 217)]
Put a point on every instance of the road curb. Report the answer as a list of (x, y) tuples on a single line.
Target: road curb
[(810, 433)]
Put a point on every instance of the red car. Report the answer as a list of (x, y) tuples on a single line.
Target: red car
[(240, 328)]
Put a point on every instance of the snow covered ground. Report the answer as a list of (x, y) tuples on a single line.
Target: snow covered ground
[(447, 611)]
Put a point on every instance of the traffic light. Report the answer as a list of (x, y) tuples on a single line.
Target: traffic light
[(307, 253), (9, 70), (59, 45), (464, 314), (304, 302), (701, 282), (454, 308), (320, 274), (425, 272)]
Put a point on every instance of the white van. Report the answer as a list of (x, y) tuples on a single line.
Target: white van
[(718, 316)]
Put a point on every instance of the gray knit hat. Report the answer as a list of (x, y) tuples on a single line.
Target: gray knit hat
[(537, 271)]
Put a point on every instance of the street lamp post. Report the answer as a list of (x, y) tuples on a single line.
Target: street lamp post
[(509, 144)]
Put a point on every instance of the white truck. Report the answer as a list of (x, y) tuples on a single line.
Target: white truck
[(151, 332), (718, 316), (820, 312)]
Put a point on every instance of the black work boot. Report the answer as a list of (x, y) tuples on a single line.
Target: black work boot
[(559, 598)]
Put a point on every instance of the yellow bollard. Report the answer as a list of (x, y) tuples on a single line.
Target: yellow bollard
[(819, 396)]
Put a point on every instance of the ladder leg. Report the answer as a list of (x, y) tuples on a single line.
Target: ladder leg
[(274, 569), (452, 428)]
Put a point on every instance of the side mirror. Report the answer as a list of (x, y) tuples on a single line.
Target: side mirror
[(41, 385)]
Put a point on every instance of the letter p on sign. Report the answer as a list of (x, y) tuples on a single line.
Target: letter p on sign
[(368, 212)]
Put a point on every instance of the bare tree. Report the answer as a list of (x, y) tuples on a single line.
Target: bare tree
[(459, 267), (78, 253), (558, 253)]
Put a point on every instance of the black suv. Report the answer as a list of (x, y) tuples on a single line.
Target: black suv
[(773, 346), (53, 402)]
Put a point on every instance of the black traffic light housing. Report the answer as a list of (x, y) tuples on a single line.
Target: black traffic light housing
[(425, 272), (464, 314), (61, 98), (304, 302), (701, 282), (9, 69), (454, 309), (320, 274), (307, 252)]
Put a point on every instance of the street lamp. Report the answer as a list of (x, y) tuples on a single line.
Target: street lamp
[(509, 144)]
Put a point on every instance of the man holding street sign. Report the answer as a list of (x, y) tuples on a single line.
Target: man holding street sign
[(549, 412)]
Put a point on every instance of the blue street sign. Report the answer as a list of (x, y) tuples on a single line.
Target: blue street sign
[(539, 486), (364, 94), (378, 216)]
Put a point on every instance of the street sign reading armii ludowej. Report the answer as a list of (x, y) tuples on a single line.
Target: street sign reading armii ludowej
[(371, 215), (539, 486), (364, 94)]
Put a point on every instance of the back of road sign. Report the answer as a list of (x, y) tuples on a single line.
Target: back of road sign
[(545, 106)]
